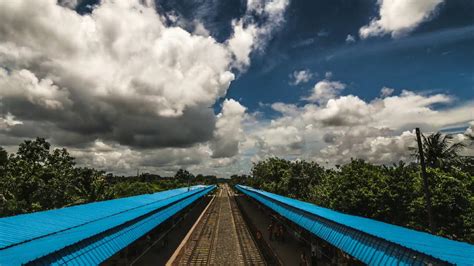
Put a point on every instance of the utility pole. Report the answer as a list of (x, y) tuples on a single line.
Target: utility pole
[(426, 186)]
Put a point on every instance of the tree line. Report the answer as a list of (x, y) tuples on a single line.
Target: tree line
[(388, 193), (37, 178)]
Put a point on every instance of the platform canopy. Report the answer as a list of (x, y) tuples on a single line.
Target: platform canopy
[(368, 240), (88, 234)]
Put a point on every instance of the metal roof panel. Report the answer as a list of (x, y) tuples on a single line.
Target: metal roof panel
[(437, 247)]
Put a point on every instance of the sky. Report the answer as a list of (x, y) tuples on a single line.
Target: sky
[(214, 86)]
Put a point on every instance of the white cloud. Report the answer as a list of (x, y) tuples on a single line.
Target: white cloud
[(279, 140), (300, 77), (398, 17), (228, 133), (121, 159), (242, 43), (121, 79), (342, 111), (380, 131), (350, 38), (371, 144), (100, 56), (470, 129), (72, 4), (118, 74), (8, 121), (249, 35), (200, 29), (385, 92), (325, 90), (24, 84)]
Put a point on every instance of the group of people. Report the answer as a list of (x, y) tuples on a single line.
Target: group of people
[(276, 231)]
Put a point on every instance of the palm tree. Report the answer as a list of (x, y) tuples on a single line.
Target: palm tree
[(440, 151)]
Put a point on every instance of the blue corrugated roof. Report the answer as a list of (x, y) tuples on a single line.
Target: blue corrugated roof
[(27, 237), (444, 249), (109, 245)]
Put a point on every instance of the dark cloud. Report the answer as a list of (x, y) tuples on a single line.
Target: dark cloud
[(330, 138)]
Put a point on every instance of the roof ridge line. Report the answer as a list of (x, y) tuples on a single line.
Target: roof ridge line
[(85, 223)]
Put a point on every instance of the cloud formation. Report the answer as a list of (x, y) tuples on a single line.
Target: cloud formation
[(126, 87), (385, 91), (300, 77), (121, 83), (344, 127), (325, 90), (8, 121), (398, 17), (250, 34), (228, 133), (23, 84), (350, 38), (72, 4), (118, 73)]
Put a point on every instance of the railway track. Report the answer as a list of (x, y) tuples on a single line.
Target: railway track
[(250, 253), (220, 237)]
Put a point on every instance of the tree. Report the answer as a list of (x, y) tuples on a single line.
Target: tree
[(36, 178), (453, 206), (440, 151), (270, 173), (356, 188), (125, 189), (183, 175), (89, 185)]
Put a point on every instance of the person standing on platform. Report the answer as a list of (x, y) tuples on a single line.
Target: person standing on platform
[(281, 233), (270, 231)]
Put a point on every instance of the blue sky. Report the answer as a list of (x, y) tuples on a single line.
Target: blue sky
[(437, 56), (213, 86)]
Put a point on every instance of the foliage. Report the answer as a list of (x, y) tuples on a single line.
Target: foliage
[(452, 201), (288, 178), (125, 189), (206, 179), (392, 194), (184, 175), (37, 177), (40, 178), (440, 151)]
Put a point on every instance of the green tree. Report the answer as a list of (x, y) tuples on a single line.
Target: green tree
[(271, 170), (357, 188), (36, 178), (183, 175), (289, 178), (89, 185), (453, 204), (126, 189), (440, 150)]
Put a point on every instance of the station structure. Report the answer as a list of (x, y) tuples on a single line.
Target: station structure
[(228, 225)]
